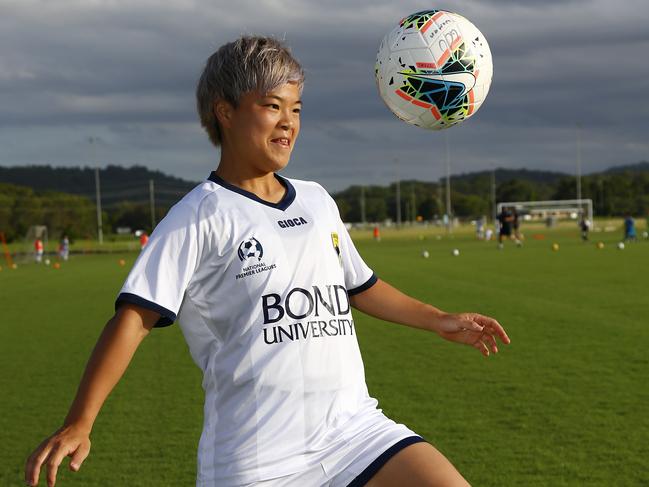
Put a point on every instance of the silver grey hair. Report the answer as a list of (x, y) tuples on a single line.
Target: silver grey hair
[(250, 63)]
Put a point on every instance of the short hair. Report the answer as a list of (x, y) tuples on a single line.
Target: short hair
[(249, 63)]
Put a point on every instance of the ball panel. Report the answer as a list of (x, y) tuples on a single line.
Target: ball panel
[(420, 21), (431, 121), (404, 41), (447, 39)]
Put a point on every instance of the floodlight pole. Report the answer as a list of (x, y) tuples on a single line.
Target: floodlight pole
[(152, 203), (396, 162), (579, 163), (448, 184), (413, 204), (363, 219), (100, 232), (493, 194)]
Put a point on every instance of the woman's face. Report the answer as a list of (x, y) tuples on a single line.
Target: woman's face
[(262, 130)]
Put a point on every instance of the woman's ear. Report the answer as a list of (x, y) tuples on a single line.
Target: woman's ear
[(223, 112)]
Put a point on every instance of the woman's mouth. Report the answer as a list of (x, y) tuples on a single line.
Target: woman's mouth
[(283, 141)]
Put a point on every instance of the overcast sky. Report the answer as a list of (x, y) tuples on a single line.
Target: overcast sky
[(123, 72)]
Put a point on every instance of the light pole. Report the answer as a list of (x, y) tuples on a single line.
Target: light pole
[(579, 165), (448, 184), (363, 219), (398, 200), (100, 232), (493, 194)]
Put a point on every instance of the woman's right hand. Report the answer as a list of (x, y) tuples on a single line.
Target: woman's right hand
[(68, 441), (114, 350)]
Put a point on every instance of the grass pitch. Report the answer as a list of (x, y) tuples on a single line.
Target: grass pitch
[(565, 404)]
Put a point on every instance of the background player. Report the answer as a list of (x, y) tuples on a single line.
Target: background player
[(629, 228), (516, 223), (505, 220), (584, 226), (64, 247), (144, 239), (38, 250), (305, 382)]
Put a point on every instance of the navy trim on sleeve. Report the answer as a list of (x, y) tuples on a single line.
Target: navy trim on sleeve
[(166, 317), (382, 459), (363, 287)]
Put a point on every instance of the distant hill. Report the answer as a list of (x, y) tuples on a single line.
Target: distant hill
[(502, 175), (81, 180), (640, 167), (125, 194), (117, 183)]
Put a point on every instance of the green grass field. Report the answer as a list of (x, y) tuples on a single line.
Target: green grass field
[(567, 403)]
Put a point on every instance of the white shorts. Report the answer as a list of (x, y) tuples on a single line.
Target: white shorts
[(355, 464)]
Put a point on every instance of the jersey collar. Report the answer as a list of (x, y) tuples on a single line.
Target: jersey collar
[(282, 204)]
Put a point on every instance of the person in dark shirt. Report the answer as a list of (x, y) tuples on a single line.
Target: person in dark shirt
[(584, 225), (518, 238), (505, 220)]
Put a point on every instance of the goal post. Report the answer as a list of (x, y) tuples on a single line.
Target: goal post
[(33, 232), (551, 209)]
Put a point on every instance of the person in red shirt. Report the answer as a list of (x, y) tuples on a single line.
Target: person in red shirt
[(38, 250), (144, 238)]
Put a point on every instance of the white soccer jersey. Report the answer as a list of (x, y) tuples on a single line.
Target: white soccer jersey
[(261, 293)]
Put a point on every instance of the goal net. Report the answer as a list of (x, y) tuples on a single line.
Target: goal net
[(552, 211), (34, 232)]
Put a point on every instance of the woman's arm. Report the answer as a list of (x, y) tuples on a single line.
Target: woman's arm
[(110, 358), (387, 303)]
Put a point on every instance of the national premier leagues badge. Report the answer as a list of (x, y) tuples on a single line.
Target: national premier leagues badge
[(250, 253), (334, 241), (250, 249)]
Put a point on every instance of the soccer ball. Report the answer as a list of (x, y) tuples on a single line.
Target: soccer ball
[(425, 254), (434, 69), (250, 248), (555, 246), (620, 245), (47, 261), (600, 245), (455, 252)]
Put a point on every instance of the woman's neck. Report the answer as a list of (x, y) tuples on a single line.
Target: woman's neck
[(265, 185)]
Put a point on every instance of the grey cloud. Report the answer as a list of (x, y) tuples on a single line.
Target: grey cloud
[(126, 71)]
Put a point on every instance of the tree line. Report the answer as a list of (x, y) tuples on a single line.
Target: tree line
[(22, 207), (64, 199), (63, 213), (614, 193)]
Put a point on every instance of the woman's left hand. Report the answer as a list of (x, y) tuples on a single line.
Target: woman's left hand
[(473, 329)]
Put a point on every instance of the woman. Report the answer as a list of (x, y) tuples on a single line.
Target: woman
[(261, 274)]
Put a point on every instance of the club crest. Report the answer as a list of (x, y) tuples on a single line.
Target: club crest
[(335, 242)]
